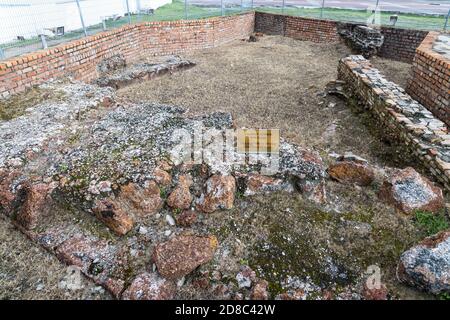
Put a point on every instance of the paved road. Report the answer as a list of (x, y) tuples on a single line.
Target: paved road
[(415, 6)]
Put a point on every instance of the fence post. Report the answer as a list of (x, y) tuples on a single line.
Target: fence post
[(43, 41), (282, 8), (185, 9), (375, 12), (252, 4), (128, 11), (447, 21), (321, 8), (81, 18), (221, 8), (242, 5)]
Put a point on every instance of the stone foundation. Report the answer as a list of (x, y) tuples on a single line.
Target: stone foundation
[(401, 117)]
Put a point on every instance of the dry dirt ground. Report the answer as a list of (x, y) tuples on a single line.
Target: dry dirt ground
[(273, 83), (276, 82)]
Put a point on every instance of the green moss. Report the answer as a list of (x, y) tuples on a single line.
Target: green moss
[(431, 223)]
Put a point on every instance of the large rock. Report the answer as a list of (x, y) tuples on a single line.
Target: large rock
[(145, 201), (181, 197), (409, 191), (35, 207), (352, 172), (97, 259), (150, 286), (220, 192), (258, 184), (306, 169), (427, 265), (183, 254), (111, 213)]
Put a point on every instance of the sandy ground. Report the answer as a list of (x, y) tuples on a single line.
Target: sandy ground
[(274, 83)]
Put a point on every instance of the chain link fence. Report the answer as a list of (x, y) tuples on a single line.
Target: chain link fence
[(30, 25)]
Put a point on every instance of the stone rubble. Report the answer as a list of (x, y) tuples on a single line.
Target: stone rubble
[(182, 254), (427, 265), (403, 119), (115, 75), (409, 191)]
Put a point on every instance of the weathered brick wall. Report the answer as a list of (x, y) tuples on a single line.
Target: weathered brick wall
[(401, 118), (401, 44), (296, 27), (80, 58), (269, 23), (311, 29), (430, 79)]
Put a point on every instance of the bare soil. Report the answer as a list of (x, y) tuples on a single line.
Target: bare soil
[(276, 82)]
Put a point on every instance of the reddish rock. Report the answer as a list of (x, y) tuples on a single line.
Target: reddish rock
[(35, 207), (259, 291), (257, 183), (163, 178), (181, 196), (408, 191), (426, 266), (350, 172), (187, 218), (96, 259), (150, 286), (146, 201), (183, 254), (220, 191), (113, 216), (377, 293)]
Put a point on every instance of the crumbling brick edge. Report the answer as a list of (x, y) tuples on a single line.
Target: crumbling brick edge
[(401, 117), (430, 80)]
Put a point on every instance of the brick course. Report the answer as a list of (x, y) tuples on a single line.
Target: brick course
[(400, 44), (80, 58), (430, 80)]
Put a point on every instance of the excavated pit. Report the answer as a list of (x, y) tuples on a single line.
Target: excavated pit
[(77, 167)]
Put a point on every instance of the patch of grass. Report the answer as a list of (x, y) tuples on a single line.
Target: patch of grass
[(444, 296), (431, 223)]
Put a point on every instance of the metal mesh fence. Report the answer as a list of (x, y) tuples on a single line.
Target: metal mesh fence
[(29, 25)]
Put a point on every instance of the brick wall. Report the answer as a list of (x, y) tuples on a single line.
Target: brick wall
[(405, 121), (401, 44), (80, 58), (311, 29), (269, 23), (430, 79), (297, 27)]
